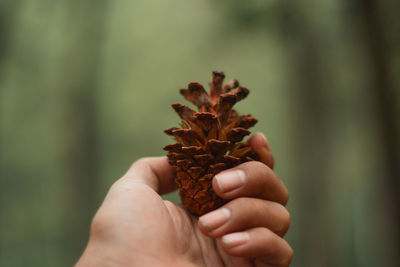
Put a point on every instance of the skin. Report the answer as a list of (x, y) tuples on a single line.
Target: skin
[(135, 227)]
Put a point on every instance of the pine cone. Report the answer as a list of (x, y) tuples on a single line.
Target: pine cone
[(209, 141)]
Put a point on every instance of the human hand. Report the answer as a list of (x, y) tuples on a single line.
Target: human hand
[(136, 227)]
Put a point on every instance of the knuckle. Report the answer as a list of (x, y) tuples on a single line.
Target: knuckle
[(96, 225), (256, 164), (258, 175), (286, 220), (288, 258), (100, 225), (285, 196), (118, 183), (122, 184), (239, 204), (141, 161), (246, 210), (271, 242)]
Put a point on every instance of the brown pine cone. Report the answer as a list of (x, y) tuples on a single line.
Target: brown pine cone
[(209, 140)]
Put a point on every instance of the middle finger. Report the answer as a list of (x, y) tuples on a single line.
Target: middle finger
[(244, 213)]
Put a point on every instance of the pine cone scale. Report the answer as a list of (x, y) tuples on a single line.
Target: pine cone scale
[(209, 141)]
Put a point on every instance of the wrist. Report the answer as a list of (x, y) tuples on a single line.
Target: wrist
[(94, 256), (97, 255)]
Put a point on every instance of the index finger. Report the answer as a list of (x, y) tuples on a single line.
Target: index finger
[(250, 179), (157, 173), (260, 145)]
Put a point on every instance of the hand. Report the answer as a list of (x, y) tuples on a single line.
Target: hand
[(136, 227)]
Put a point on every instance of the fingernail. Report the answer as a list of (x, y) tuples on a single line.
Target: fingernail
[(235, 239), (230, 180), (215, 219)]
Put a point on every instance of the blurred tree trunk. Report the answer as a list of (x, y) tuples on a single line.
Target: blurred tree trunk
[(80, 76), (312, 151), (385, 98), (8, 12)]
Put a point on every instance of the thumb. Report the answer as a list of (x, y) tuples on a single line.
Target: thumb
[(154, 172), (146, 178)]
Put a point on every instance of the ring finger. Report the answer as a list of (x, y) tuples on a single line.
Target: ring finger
[(260, 243)]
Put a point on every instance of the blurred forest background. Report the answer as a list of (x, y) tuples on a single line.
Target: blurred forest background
[(86, 88)]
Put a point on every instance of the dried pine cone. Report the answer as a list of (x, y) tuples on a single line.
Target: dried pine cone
[(209, 140)]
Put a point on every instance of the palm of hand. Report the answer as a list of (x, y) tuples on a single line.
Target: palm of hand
[(170, 233), (164, 233), (197, 248)]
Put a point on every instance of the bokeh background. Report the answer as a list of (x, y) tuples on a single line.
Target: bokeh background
[(86, 88)]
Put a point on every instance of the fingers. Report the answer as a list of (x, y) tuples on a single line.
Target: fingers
[(260, 145), (250, 179), (245, 213), (259, 243), (251, 228), (154, 172), (253, 223)]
